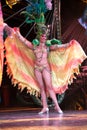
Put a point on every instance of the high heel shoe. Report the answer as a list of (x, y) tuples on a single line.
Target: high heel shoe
[(59, 110), (44, 111)]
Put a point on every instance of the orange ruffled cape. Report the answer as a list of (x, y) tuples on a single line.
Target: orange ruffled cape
[(20, 65)]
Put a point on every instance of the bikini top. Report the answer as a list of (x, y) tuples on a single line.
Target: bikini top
[(38, 50)]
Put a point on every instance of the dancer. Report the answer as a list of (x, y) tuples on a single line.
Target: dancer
[(42, 68)]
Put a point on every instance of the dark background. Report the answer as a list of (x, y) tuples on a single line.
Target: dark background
[(76, 96)]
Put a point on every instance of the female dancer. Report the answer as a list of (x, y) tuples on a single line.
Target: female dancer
[(42, 68)]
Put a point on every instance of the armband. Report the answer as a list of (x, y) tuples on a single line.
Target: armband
[(35, 42), (48, 42), (55, 41)]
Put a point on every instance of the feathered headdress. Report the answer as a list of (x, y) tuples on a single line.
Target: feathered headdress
[(35, 13)]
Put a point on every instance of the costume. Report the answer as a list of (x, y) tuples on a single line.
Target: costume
[(20, 61), (41, 68), (20, 64)]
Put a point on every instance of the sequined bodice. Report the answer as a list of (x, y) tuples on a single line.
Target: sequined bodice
[(40, 53)]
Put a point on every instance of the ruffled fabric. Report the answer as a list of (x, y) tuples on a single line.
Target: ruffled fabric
[(65, 64), (20, 65)]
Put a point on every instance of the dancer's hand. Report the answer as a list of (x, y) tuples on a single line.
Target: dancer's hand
[(4, 24)]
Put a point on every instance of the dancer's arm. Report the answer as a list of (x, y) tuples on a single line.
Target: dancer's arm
[(7, 29), (56, 46), (16, 31), (24, 40)]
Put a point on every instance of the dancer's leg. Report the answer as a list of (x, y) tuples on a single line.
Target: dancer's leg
[(48, 83), (38, 75)]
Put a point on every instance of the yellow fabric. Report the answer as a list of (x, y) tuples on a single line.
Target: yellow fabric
[(20, 61), (64, 64)]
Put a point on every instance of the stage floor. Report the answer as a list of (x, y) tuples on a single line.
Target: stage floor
[(28, 119)]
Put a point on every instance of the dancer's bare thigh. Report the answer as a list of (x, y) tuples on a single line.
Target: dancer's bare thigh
[(39, 77), (47, 78)]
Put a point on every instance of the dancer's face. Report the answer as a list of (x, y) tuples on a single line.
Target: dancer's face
[(43, 38)]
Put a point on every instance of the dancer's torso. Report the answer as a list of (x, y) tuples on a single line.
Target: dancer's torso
[(41, 54)]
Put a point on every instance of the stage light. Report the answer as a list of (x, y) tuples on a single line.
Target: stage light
[(85, 1), (10, 3)]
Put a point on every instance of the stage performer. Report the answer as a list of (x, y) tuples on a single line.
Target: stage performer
[(54, 65)]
